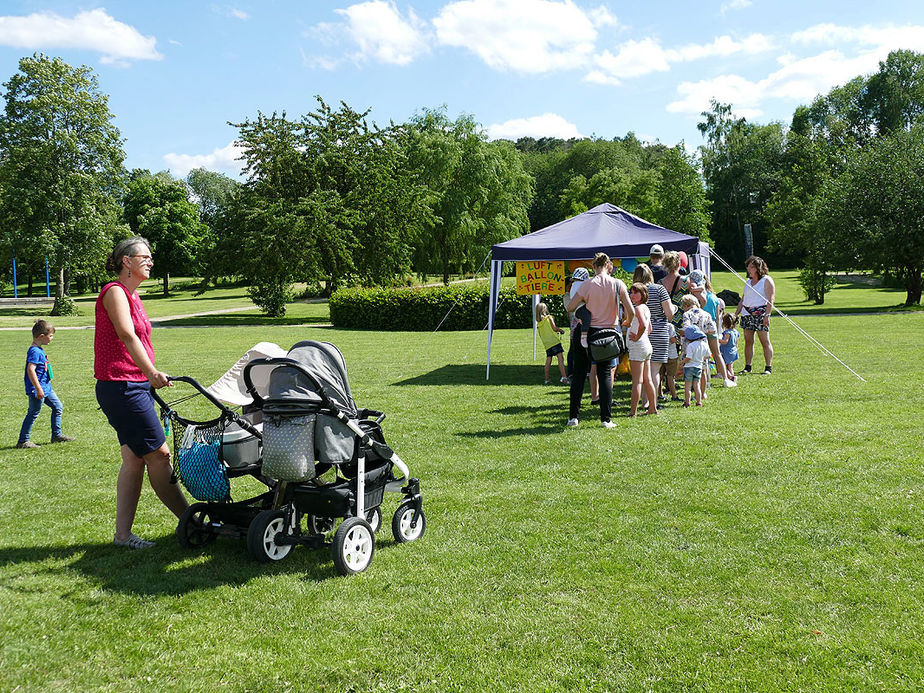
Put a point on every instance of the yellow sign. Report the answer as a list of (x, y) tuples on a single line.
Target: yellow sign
[(540, 277)]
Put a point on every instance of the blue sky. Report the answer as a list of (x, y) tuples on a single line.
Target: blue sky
[(176, 72)]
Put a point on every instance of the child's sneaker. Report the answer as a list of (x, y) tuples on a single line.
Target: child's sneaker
[(62, 439), (546, 382), (565, 381), (27, 444), (572, 423), (607, 424)]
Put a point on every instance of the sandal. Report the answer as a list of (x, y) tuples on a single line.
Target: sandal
[(133, 542)]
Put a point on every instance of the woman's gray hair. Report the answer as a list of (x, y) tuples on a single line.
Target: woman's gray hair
[(126, 248)]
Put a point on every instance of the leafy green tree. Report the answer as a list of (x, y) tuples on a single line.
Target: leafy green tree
[(879, 202), (214, 193), (61, 169), (477, 191), (894, 97), (742, 164), (328, 198), (157, 207), (680, 195)]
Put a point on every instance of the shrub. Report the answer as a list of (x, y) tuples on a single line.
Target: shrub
[(422, 309), (65, 306), (271, 297)]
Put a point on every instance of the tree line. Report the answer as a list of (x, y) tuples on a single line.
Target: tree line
[(840, 188), (330, 198)]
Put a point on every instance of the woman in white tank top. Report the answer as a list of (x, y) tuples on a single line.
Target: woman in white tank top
[(754, 309)]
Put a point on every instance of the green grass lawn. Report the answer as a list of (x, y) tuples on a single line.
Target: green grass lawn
[(770, 541)]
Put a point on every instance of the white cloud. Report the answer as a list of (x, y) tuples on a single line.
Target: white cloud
[(529, 36), (379, 32), (734, 5), (796, 80), (229, 11), (637, 58), (94, 30), (545, 125), (910, 36), (223, 160)]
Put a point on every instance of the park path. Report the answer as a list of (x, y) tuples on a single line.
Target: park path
[(156, 323)]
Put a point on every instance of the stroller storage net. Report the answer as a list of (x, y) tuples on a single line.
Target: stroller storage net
[(198, 465), (296, 430)]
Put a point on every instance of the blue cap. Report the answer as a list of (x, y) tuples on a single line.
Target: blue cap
[(697, 278), (692, 333)]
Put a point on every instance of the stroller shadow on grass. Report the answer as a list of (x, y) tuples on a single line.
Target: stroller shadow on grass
[(166, 569)]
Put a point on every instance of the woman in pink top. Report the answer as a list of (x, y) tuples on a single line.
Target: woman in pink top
[(124, 369), (602, 296)]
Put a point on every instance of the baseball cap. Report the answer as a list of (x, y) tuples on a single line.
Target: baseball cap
[(692, 333), (580, 274), (656, 250)]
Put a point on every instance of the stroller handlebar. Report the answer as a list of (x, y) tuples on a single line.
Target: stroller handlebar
[(230, 413)]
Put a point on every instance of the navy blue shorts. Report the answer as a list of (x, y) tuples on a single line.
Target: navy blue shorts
[(131, 412)]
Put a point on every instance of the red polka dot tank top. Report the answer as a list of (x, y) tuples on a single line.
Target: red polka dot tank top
[(111, 360)]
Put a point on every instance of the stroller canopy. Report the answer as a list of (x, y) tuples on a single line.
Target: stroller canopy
[(326, 365), (230, 387)]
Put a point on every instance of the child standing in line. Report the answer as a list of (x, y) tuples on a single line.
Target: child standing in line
[(551, 339), (695, 355), (38, 387), (728, 344), (694, 315), (581, 316)]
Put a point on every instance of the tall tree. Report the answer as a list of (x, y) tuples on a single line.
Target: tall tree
[(680, 195), (742, 163), (879, 201), (478, 191), (157, 207), (214, 193), (61, 167), (328, 198)]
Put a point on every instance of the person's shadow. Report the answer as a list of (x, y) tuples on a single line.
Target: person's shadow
[(169, 569)]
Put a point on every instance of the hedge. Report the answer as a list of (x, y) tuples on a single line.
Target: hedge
[(422, 309)]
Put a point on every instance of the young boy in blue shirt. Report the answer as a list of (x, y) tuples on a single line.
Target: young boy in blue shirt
[(38, 387)]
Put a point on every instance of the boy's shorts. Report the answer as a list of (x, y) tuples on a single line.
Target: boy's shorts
[(554, 350), (692, 374), (131, 412)]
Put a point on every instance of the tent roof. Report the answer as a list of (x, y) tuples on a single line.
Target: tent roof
[(606, 228)]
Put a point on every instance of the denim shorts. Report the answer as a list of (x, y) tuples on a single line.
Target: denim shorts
[(132, 413), (692, 374)]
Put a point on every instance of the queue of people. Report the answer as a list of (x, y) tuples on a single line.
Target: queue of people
[(674, 327)]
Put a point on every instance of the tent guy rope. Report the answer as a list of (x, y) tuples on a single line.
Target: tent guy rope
[(821, 347)]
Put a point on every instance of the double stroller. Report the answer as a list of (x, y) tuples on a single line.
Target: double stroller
[(324, 462)]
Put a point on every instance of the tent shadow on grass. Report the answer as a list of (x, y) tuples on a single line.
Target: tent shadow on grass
[(167, 569), (474, 374)]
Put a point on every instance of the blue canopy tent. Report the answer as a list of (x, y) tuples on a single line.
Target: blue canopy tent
[(606, 228)]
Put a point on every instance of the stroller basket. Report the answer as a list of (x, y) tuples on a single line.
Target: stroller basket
[(197, 455)]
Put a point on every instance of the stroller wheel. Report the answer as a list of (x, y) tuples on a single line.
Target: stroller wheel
[(354, 544), (191, 530), (401, 523), (320, 525), (261, 536), (374, 518)]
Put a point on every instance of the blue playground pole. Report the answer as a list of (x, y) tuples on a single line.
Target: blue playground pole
[(47, 284), (15, 294)]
